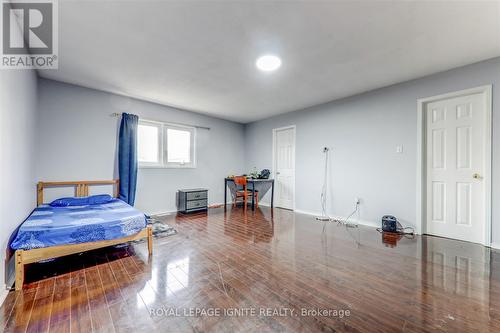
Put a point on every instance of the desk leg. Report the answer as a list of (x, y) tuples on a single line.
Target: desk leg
[(253, 195), (225, 193), (272, 194)]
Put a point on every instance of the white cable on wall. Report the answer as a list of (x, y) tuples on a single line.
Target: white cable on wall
[(324, 190)]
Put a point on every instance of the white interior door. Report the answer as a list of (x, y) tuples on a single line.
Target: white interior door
[(284, 166), (456, 148)]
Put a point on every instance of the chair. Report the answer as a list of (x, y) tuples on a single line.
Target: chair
[(244, 192)]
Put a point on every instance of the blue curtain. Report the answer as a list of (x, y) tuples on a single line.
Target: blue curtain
[(127, 157)]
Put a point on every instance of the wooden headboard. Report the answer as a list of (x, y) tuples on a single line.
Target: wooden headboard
[(81, 187)]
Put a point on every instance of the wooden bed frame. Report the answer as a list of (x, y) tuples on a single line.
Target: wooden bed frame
[(24, 257)]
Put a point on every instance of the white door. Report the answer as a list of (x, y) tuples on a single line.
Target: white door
[(456, 148), (284, 166)]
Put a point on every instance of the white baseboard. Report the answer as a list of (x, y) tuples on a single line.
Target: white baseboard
[(306, 212), (352, 220), (299, 211), (164, 213), (495, 245), (173, 212)]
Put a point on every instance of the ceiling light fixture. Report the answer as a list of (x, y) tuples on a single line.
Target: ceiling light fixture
[(268, 63)]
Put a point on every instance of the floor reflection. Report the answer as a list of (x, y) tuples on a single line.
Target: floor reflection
[(461, 269), (147, 295), (177, 275), (232, 258), (255, 226), (391, 239)]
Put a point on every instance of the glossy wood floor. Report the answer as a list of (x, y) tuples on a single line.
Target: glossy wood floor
[(232, 260)]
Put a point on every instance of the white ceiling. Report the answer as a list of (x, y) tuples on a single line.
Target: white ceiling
[(200, 55)]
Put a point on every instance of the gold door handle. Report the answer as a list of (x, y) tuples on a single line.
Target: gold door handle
[(476, 176)]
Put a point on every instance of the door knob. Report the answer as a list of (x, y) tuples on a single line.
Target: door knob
[(476, 176)]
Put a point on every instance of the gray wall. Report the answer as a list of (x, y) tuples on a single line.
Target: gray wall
[(18, 89), (78, 140), (363, 132)]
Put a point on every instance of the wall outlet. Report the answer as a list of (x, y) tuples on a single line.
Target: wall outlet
[(399, 149)]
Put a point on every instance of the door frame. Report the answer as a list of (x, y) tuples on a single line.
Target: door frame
[(486, 91), (294, 156)]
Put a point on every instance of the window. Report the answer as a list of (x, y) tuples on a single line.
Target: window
[(178, 146), (165, 145), (148, 143)]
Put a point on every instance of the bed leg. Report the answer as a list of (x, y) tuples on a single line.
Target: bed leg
[(19, 269), (150, 240)]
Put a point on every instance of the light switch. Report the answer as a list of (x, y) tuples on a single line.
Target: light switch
[(399, 149)]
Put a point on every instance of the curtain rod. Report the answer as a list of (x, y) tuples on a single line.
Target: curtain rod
[(117, 115)]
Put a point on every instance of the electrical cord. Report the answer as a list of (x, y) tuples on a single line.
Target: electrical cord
[(346, 220), (348, 225), (324, 189), (348, 217)]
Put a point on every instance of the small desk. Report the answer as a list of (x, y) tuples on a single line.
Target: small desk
[(252, 184)]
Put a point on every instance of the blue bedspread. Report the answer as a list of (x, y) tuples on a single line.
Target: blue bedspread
[(49, 226)]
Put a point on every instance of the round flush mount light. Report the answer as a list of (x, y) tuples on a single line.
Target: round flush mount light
[(268, 63)]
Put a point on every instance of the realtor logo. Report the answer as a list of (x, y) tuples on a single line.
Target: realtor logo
[(29, 34)]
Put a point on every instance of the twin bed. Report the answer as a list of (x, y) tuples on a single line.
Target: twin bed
[(51, 232)]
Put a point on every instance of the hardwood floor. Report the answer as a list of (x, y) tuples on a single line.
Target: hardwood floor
[(242, 267)]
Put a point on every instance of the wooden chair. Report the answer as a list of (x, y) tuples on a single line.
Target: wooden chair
[(244, 192)]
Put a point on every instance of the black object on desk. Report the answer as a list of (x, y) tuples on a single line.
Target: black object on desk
[(251, 186), (192, 200)]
